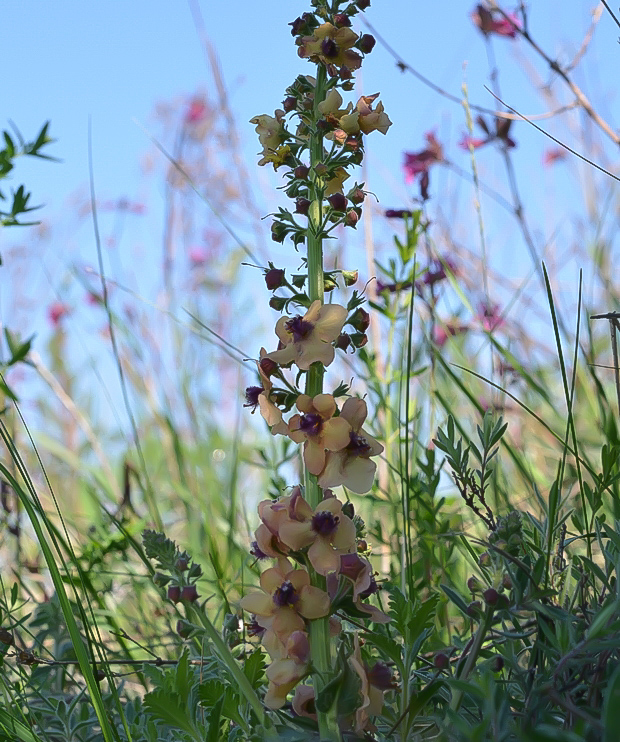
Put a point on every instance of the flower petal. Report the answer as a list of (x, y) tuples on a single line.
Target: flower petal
[(297, 535), (323, 557), (336, 434), (314, 457), (258, 603), (330, 322), (313, 602)]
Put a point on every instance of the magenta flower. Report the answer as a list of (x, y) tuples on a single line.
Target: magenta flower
[(490, 316), (468, 141), (56, 312), (196, 111), (419, 162), (490, 22), (553, 155)]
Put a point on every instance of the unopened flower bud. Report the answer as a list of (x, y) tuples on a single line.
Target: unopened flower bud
[(507, 582), (338, 201), (359, 339), (473, 583), (363, 4), (484, 560), (320, 169), (491, 596), (277, 303), (6, 637), (366, 43), (182, 563), (268, 366), (289, 103), (441, 661), (348, 509), (503, 602), (302, 205), (356, 195), (473, 609), (350, 277), (161, 580), (343, 342), (346, 75), (184, 629), (362, 545), (301, 172), (174, 593), (274, 278), (380, 676), (341, 20), (351, 219), (329, 283), (497, 663), (360, 319), (278, 232), (189, 593)]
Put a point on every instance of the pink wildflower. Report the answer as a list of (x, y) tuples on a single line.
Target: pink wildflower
[(468, 141), (419, 162), (196, 111), (56, 312), (198, 256), (490, 22), (553, 155)]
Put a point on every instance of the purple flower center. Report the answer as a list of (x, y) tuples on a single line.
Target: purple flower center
[(324, 523), (299, 328), (256, 551), (254, 628), (358, 445), (329, 48), (311, 424), (371, 590), (285, 595), (251, 396)]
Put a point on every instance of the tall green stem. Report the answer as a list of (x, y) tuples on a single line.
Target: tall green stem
[(319, 629)]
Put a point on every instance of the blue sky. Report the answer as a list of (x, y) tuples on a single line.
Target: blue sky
[(113, 62)]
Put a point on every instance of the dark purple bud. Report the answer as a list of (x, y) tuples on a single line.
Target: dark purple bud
[(473, 609), (301, 172), (497, 663), (360, 320), (289, 103), (359, 339), (381, 676), (174, 593), (329, 48), (398, 213), (324, 126), (184, 629), (182, 563), (502, 127), (274, 278), (277, 303), (346, 74), (268, 366), (348, 509), (362, 545), (363, 4), (301, 25), (338, 201), (491, 596), (352, 218), (366, 43), (473, 583), (341, 20), (252, 393), (503, 602), (278, 232), (441, 661), (324, 523), (189, 593), (507, 581), (311, 424), (6, 637), (343, 342), (302, 205), (299, 328), (320, 169), (285, 595)]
